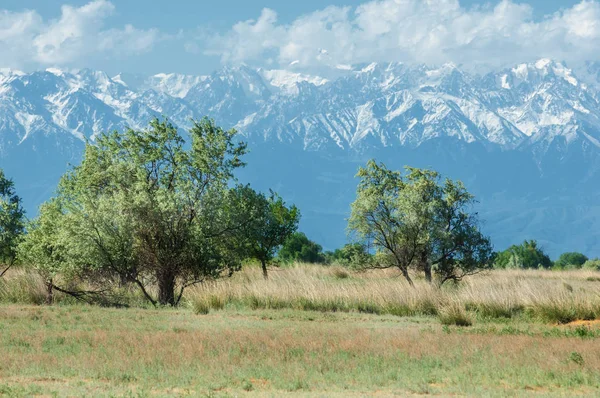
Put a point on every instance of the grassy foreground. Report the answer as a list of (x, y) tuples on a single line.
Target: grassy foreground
[(261, 338)]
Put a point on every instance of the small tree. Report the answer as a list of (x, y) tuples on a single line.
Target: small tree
[(416, 222), (272, 224), (571, 259), (299, 248), (12, 222), (528, 255)]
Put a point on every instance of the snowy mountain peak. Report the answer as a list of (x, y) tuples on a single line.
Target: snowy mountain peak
[(55, 71), (376, 105)]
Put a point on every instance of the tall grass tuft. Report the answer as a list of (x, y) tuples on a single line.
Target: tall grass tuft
[(454, 314), (22, 287)]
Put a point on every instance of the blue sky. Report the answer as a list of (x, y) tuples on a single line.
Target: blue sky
[(314, 36)]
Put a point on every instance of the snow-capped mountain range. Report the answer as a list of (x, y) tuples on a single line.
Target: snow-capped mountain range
[(525, 138)]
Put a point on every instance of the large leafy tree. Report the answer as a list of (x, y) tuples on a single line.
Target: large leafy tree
[(12, 221), (417, 222), (145, 208), (272, 223)]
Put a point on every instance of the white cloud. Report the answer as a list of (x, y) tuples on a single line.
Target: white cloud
[(419, 31), (27, 40)]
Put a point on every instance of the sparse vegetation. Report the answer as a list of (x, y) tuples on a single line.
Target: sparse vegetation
[(311, 329), (296, 339), (148, 222)]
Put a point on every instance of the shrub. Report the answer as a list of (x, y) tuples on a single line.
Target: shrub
[(299, 248), (577, 358), (353, 255), (571, 260), (526, 255), (593, 265)]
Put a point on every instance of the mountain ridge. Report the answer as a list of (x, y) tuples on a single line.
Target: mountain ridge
[(528, 134)]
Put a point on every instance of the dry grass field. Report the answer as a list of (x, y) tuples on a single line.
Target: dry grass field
[(314, 331)]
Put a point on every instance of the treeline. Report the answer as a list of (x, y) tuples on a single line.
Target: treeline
[(150, 211), (529, 255)]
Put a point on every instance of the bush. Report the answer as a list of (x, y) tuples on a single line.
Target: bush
[(299, 248), (571, 260), (593, 265), (353, 255), (527, 255)]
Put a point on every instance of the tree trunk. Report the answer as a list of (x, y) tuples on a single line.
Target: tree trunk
[(427, 269), (264, 269), (49, 292), (6, 268), (166, 288), (425, 265), (407, 277)]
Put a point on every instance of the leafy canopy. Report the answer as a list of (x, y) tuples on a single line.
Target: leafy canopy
[(146, 209), (416, 222)]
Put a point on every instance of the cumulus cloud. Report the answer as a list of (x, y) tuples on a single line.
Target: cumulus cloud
[(27, 40), (415, 31)]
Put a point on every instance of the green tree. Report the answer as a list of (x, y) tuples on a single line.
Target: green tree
[(528, 255), (351, 254), (44, 246), (571, 259), (272, 224), (415, 221), (145, 209), (12, 223), (299, 248)]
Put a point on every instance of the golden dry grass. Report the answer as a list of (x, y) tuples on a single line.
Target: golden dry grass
[(313, 331), (552, 296)]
